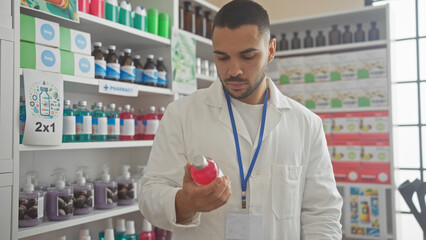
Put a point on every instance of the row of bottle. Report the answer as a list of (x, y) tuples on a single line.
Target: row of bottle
[(127, 69), (63, 200), (205, 68), (334, 37), (195, 23)]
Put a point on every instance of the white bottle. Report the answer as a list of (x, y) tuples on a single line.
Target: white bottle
[(83, 233), (109, 234)]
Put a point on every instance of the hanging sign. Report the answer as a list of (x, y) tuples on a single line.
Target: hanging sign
[(43, 102), (118, 88)]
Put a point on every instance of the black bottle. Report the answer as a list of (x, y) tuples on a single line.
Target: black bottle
[(283, 42), (373, 33), (295, 42), (359, 33), (334, 36), (308, 41), (347, 35), (320, 39)]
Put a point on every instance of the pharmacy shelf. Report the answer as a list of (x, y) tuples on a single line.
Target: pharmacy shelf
[(206, 4), (75, 220), (332, 49), (87, 145), (7, 34), (197, 38), (364, 109)]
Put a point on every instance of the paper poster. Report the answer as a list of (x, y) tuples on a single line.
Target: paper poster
[(365, 212), (44, 110), (62, 8), (118, 88), (183, 63)]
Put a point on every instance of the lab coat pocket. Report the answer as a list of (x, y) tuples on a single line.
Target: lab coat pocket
[(285, 191)]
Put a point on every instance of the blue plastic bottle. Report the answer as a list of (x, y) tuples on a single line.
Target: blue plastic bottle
[(84, 123), (69, 128), (22, 118), (99, 124)]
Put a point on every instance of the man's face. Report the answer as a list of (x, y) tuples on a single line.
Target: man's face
[(242, 56)]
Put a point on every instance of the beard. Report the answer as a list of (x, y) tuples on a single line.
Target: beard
[(252, 88)]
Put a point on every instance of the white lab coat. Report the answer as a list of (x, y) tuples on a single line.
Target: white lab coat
[(292, 183)]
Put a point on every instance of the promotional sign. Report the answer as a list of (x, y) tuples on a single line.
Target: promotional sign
[(118, 88), (62, 8), (44, 110), (183, 63)]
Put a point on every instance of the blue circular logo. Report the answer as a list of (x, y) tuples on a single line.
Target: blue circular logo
[(80, 41), (48, 58), (47, 32), (156, 74), (84, 65)]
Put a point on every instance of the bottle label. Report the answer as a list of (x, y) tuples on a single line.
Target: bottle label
[(111, 195), (126, 190), (127, 127), (140, 128), (113, 70), (31, 208), (162, 78), (69, 125), (113, 126), (99, 126), (22, 120), (84, 124), (152, 126), (150, 76), (138, 75), (83, 199), (100, 68), (128, 73), (64, 205)]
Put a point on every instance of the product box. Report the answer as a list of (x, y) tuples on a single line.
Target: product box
[(375, 173), (39, 31), (343, 66), (39, 57), (346, 150), (294, 91), (326, 123), (80, 42), (347, 172), (344, 94), (84, 66), (345, 125), (317, 68), (373, 93), (67, 62), (291, 70), (318, 96), (27, 55), (374, 125), (65, 39), (372, 63), (375, 151)]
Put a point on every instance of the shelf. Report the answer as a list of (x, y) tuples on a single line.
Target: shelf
[(334, 48), (207, 5), (87, 145), (197, 38), (75, 220), (7, 34), (365, 109), (205, 78)]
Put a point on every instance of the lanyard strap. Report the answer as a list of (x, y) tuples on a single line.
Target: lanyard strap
[(244, 181)]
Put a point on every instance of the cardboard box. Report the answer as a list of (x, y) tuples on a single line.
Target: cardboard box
[(375, 173), (317, 68), (39, 57), (318, 96), (291, 70), (372, 64), (344, 94), (374, 125), (347, 172), (67, 63), (343, 66), (80, 42), (345, 125), (375, 151), (373, 93), (39, 31), (84, 66), (65, 39), (345, 150)]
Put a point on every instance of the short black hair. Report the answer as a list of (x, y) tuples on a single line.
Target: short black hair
[(242, 12)]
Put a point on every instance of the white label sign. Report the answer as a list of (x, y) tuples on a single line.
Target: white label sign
[(118, 88), (44, 110)]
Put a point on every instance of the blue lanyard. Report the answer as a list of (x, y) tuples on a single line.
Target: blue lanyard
[(244, 181)]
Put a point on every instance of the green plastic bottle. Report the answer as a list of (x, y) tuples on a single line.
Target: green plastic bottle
[(22, 118), (69, 128), (83, 123), (99, 124)]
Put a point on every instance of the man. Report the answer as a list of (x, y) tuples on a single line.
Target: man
[(281, 187)]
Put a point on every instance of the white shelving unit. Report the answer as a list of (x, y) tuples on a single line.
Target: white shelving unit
[(88, 145)]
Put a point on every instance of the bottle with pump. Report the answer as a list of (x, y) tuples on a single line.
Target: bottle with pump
[(347, 35), (283, 42), (83, 195), (161, 113), (102, 235), (200, 22), (105, 191), (60, 171), (31, 205), (120, 230), (320, 40), (126, 187), (100, 63), (162, 73), (138, 69), (99, 124), (308, 42), (130, 231), (373, 33), (113, 123), (85, 170), (69, 126), (139, 126), (147, 233), (204, 170), (113, 66), (127, 71), (151, 123), (60, 204), (22, 118), (83, 123), (359, 33), (295, 42), (38, 187), (127, 124), (150, 73)]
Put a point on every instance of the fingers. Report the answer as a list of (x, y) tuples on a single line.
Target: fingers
[(187, 177)]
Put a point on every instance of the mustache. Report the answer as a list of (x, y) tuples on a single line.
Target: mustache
[(236, 79)]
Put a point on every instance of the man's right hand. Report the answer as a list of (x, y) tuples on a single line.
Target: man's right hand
[(193, 198)]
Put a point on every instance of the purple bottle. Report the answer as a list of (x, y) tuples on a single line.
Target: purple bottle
[(60, 204), (105, 191), (126, 187), (83, 195), (31, 205)]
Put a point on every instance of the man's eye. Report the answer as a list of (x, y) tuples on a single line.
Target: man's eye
[(248, 57)]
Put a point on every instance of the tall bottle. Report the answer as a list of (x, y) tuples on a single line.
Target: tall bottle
[(84, 123), (126, 187), (204, 170), (100, 63), (347, 35), (151, 123), (295, 42), (162, 73), (31, 205), (320, 40), (59, 200), (138, 69), (283, 42), (308, 41), (127, 68), (109, 234), (69, 127), (105, 191), (102, 235), (113, 123), (359, 33), (147, 233), (373, 33), (22, 118), (200, 22), (130, 231), (139, 126), (161, 113), (127, 124), (334, 35), (209, 24), (120, 229), (83, 195), (113, 66), (99, 124), (150, 73), (189, 17)]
